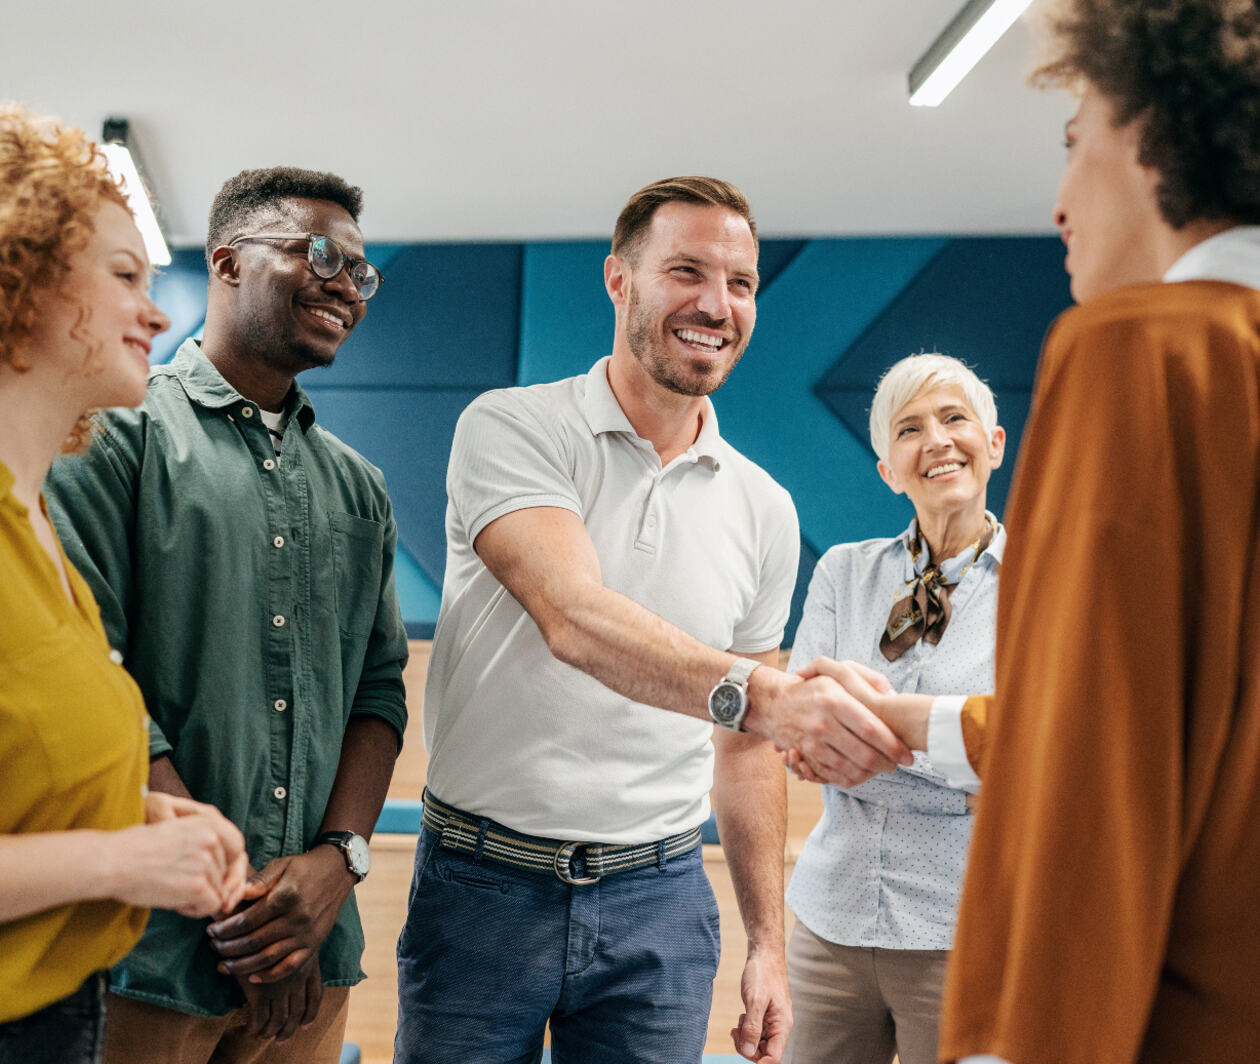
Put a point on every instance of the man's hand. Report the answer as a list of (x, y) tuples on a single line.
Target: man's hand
[(277, 1010), (837, 736), (763, 1027), (296, 900), (906, 714)]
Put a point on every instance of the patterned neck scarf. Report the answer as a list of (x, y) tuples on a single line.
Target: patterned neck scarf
[(923, 612)]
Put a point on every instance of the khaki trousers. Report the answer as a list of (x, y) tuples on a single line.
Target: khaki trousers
[(139, 1033), (856, 1005)]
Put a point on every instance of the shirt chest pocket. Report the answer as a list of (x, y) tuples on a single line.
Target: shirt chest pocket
[(357, 543)]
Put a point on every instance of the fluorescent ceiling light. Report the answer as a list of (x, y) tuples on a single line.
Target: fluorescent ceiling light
[(123, 164), (975, 29)]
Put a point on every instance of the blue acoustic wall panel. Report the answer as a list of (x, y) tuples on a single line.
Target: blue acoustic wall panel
[(566, 319), (448, 316), (180, 290), (456, 319), (814, 310)]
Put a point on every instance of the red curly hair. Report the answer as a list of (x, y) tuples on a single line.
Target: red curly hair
[(53, 179)]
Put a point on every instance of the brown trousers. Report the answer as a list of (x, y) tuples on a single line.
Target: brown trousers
[(139, 1033), (856, 1005)]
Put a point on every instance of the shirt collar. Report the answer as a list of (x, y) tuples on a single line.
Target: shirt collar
[(995, 549), (604, 414), (206, 386), (1232, 256)]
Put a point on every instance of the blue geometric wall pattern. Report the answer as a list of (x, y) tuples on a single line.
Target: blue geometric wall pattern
[(987, 301), (454, 320)]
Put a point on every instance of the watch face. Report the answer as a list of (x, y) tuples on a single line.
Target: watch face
[(360, 857), (726, 702)]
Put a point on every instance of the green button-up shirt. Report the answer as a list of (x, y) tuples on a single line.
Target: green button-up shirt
[(253, 598)]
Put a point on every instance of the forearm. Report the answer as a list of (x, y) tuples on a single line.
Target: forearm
[(44, 870), (368, 752), (750, 803), (633, 651), (163, 777)]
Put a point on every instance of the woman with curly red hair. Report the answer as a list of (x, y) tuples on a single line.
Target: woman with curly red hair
[(84, 849)]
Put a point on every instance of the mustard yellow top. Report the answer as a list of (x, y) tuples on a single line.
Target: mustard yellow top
[(73, 754)]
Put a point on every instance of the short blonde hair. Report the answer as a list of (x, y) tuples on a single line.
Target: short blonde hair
[(917, 373)]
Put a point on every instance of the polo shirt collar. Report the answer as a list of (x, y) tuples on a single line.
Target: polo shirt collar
[(206, 386), (604, 414)]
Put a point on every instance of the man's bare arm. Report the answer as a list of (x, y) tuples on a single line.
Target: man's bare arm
[(750, 802), (545, 558)]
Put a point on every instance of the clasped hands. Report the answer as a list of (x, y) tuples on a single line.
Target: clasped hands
[(271, 942), (841, 722)]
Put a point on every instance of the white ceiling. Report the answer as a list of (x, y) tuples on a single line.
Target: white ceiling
[(505, 119)]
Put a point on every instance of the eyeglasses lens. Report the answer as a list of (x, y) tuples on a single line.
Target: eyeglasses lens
[(327, 261), (365, 279), (325, 257)]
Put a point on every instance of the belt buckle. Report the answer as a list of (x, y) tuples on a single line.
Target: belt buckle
[(566, 851)]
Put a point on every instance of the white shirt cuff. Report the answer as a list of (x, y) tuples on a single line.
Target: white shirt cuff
[(946, 749), (987, 1058)]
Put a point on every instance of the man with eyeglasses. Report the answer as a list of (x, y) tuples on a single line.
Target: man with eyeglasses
[(243, 557)]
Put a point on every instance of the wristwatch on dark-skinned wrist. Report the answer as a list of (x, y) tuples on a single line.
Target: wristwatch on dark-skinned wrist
[(354, 849)]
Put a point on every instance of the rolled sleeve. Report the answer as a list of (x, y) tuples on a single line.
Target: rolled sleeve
[(381, 692)]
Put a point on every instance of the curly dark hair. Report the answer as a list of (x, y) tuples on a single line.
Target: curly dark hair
[(636, 215), (53, 180), (1190, 71), (254, 192)]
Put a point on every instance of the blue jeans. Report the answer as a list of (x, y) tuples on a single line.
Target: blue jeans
[(623, 968), (69, 1031)]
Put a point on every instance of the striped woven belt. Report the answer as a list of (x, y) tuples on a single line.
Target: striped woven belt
[(487, 838)]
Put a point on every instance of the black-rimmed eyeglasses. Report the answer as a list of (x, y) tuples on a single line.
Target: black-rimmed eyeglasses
[(327, 259)]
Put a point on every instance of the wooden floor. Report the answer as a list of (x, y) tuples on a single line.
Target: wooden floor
[(383, 900)]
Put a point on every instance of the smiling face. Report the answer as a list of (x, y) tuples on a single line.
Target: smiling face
[(940, 456), (100, 323), (686, 300), (1107, 211), (289, 318)]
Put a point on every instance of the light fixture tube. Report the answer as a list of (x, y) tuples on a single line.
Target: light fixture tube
[(121, 164), (974, 30)]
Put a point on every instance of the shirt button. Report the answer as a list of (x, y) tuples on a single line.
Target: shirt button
[(278, 542), (247, 411), (279, 705), (280, 794), (269, 464), (116, 657), (873, 873), (278, 620)]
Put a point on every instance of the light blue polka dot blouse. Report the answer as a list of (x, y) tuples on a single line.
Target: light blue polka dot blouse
[(884, 865)]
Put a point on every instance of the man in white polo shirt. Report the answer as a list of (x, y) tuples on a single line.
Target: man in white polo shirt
[(608, 553)]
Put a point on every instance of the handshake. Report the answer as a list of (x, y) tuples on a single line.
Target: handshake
[(837, 721)]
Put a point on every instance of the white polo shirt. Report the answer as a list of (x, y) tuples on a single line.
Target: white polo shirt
[(709, 542)]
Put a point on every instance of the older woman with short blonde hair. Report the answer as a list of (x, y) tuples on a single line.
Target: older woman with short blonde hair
[(876, 887)]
